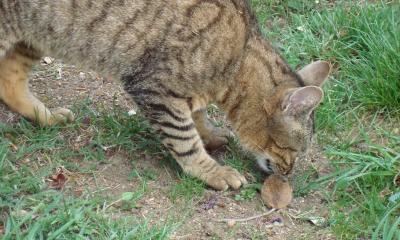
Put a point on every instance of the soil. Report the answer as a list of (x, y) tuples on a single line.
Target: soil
[(59, 85)]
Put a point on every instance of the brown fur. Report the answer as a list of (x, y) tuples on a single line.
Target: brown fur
[(276, 191), (14, 90), (173, 57)]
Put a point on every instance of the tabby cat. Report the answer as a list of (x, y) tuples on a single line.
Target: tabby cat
[(173, 57)]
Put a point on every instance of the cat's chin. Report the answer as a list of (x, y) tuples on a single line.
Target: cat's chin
[(265, 164)]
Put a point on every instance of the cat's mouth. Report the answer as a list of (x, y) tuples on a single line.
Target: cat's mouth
[(268, 165)]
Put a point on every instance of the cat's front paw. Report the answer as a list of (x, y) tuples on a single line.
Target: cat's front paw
[(61, 116), (225, 177)]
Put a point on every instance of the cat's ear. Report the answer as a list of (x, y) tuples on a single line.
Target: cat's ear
[(302, 101), (315, 74)]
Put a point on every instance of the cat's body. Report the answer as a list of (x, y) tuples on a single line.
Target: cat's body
[(173, 57)]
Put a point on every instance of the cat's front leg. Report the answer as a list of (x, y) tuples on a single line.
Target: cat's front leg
[(172, 118)]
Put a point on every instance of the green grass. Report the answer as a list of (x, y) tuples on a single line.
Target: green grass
[(362, 41), (53, 215), (187, 189), (361, 178), (30, 154), (31, 212)]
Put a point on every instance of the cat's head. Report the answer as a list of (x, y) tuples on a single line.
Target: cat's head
[(290, 121)]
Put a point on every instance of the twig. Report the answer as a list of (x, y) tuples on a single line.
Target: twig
[(229, 220), (289, 215), (105, 207), (395, 178)]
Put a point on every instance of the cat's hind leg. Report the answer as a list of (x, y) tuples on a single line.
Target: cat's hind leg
[(213, 137), (14, 88)]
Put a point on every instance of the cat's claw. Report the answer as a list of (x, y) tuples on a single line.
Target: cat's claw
[(226, 177)]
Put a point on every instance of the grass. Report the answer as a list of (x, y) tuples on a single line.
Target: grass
[(357, 128), (364, 182), (361, 108), (30, 210), (187, 189)]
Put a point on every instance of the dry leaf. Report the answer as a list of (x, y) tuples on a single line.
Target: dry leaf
[(58, 180), (397, 180), (209, 203), (385, 192), (78, 192), (317, 221)]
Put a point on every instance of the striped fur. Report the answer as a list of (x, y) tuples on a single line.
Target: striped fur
[(173, 57)]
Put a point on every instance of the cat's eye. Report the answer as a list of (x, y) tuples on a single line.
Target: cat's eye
[(284, 147)]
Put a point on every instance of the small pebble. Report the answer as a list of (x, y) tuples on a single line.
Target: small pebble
[(47, 60), (82, 75), (231, 223), (132, 112)]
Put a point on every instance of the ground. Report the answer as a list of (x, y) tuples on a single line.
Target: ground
[(106, 176), (198, 211)]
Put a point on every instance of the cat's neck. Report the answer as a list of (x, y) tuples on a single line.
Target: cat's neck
[(262, 75), (250, 84)]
